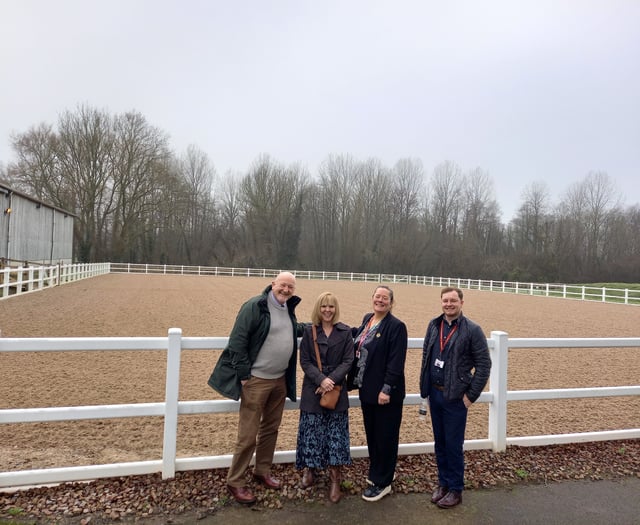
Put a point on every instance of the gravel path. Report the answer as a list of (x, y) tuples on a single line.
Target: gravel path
[(194, 495)]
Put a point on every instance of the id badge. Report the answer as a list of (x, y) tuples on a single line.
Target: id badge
[(438, 363)]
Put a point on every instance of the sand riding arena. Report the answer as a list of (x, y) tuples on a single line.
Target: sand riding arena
[(148, 305)]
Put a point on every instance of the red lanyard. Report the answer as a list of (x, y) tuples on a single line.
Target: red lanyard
[(443, 342), (368, 329)]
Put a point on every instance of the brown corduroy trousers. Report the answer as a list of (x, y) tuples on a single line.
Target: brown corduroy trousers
[(261, 407)]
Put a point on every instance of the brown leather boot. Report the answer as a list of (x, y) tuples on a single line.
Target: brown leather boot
[(334, 491), (307, 478)]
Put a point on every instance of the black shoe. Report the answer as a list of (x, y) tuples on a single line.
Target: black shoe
[(375, 493)]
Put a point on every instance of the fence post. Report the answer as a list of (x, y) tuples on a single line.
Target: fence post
[(171, 404), (498, 387)]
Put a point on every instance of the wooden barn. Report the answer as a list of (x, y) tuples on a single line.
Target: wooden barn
[(32, 231)]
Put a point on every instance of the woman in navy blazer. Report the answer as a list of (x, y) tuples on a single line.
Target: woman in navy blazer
[(381, 351)]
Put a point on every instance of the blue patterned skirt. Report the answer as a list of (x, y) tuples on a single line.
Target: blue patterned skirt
[(323, 440)]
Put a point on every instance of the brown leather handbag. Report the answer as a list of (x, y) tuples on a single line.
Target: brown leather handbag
[(328, 399)]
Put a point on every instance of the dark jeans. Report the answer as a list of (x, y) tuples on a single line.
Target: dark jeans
[(449, 420), (382, 427)]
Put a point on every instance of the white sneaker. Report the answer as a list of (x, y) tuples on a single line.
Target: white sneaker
[(375, 493)]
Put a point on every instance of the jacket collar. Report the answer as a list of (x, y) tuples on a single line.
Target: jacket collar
[(292, 302)]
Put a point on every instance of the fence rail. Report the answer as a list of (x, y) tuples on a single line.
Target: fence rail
[(497, 397), (566, 291), (30, 278), (23, 279)]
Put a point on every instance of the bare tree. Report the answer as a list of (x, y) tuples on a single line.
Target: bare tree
[(446, 184), (481, 229), (86, 141), (582, 229), (372, 209), (37, 170), (531, 233), (332, 203), (273, 199), (569, 237), (232, 235), (600, 200), (197, 218), (444, 211), (167, 243), (407, 187), (406, 242), (140, 158), (621, 249)]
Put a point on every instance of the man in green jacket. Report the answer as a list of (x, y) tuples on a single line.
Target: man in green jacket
[(258, 366)]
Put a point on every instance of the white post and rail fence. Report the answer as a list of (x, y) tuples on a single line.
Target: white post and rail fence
[(497, 396), (30, 278), (16, 280)]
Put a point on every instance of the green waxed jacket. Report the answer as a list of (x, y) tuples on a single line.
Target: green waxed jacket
[(247, 337)]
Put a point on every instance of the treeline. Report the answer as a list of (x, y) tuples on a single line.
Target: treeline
[(137, 201)]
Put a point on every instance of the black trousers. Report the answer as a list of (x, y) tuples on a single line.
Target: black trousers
[(382, 428)]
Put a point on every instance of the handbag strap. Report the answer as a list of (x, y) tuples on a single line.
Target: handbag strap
[(315, 345)]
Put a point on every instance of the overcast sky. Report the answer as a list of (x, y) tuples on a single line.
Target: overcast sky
[(529, 91)]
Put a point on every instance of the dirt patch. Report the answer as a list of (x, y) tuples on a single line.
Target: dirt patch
[(135, 305)]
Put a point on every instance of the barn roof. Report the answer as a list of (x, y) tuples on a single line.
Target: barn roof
[(7, 190)]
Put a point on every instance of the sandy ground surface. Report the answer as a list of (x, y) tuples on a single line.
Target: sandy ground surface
[(135, 305)]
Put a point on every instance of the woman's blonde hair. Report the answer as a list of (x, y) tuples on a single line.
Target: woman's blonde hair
[(325, 298)]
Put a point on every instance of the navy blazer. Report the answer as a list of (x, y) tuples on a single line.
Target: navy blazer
[(385, 362)]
